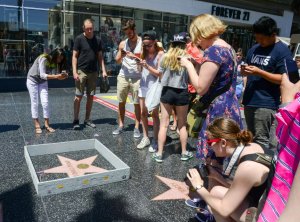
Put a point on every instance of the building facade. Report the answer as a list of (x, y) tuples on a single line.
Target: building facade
[(31, 27)]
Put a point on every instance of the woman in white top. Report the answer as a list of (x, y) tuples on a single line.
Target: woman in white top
[(37, 84), (149, 62)]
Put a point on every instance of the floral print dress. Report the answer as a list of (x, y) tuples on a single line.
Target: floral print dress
[(225, 105)]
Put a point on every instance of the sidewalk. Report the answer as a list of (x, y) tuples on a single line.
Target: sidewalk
[(129, 200)]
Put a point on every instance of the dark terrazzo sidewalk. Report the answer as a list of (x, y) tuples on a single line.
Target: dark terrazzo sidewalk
[(122, 201)]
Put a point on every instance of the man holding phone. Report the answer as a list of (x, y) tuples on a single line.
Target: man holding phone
[(267, 61), (129, 76)]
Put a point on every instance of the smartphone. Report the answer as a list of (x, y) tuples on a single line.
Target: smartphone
[(64, 72), (137, 59), (243, 65)]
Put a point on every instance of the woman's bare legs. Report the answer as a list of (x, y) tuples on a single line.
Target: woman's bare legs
[(166, 110), (144, 116), (181, 112)]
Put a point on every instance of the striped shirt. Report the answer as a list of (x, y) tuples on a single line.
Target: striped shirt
[(288, 134)]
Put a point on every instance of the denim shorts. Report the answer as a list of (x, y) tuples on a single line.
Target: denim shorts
[(174, 96)]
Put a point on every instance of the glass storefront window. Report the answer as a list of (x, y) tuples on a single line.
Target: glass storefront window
[(148, 15), (178, 19), (49, 4), (117, 11), (83, 7), (10, 2)]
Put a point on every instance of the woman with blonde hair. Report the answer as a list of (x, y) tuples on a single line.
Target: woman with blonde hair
[(175, 93), (216, 79), (150, 59)]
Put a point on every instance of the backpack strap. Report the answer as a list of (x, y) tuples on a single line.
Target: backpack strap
[(233, 160), (262, 158)]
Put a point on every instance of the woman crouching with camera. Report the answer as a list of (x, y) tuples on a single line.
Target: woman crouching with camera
[(227, 140)]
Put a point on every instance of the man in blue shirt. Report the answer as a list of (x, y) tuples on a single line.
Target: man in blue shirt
[(266, 62)]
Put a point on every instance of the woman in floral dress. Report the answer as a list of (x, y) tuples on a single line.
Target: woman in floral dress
[(216, 73)]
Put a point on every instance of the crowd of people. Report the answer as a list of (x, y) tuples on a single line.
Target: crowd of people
[(237, 164)]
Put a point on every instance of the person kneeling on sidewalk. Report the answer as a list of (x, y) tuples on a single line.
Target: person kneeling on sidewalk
[(250, 181)]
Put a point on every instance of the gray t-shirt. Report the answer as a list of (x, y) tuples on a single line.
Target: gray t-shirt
[(175, 79)]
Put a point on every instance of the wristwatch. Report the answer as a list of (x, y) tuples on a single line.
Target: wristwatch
[(198, 187)]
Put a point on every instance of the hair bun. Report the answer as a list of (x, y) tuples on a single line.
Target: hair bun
[(245, 136)]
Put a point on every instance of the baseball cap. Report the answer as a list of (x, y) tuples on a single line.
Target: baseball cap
[(180, 38), (149, 35)]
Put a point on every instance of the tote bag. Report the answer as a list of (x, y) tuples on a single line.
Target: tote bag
[(153, 95)]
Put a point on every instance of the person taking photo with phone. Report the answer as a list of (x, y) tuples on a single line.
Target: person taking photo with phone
[(149, 62), (37, 84), (128, 80)]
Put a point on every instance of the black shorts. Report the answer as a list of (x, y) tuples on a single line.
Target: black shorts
[(175, 97)]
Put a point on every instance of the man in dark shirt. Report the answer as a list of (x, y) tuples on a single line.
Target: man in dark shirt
[(87, 54), (266, 63)]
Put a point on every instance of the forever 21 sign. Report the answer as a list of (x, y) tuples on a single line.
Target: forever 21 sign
[(230, 13)]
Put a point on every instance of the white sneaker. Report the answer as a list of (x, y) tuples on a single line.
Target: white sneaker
[(153, 147), (144, 142)]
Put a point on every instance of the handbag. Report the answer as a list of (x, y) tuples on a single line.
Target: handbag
[(196, 117), (153, 95), (198, 112), (104, 84)]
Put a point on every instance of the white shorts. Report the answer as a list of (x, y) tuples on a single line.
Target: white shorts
[(143, 91)]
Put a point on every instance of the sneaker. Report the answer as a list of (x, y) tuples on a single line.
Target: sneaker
[(153, 147), (118, 131), (76, 125), (186, 156), (89, 123), (144, 142), (157, 158), (196, 203), (136, 133), (205, 216)]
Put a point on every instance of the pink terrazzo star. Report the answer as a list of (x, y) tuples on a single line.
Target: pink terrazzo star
[(178, 190), (76, 167)]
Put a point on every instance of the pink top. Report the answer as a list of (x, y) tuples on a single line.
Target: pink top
[(288, 134)]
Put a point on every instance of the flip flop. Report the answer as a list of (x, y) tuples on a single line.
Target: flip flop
[(38, 130), (50, 129)]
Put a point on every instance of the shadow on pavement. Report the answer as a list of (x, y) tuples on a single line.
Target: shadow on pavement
[(6, 128), (18, 204), (107, 209)]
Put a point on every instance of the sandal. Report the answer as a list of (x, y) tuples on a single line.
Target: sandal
[(173, 127), (38, 130), (50, 129)]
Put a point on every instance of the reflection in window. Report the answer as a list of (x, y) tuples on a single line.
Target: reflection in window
[(46, 4), (117, 11)]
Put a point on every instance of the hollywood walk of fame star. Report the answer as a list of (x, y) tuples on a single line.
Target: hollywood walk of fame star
[(178, 190), (76, 167)]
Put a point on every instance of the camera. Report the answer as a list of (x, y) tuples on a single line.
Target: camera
[(202, 170)]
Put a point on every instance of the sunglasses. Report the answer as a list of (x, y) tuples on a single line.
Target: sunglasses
[(209, 142), (148, 46)]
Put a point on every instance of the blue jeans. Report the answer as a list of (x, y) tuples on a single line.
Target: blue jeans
[(259, 122)]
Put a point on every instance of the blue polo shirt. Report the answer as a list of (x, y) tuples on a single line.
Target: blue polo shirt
[(259, 92)]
